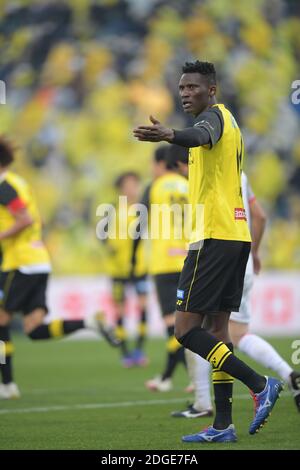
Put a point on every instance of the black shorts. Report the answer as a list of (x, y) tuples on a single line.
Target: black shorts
[(212, 278), (23, 293), (166, 288), (140, 284)]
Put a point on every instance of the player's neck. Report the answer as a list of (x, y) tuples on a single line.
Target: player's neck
[(211, 103), (3, 171)]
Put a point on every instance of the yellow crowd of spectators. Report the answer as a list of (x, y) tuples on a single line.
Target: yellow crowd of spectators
[(81, 74)]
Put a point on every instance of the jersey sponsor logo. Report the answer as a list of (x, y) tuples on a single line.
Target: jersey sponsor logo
[(37, 244), (177, 252), (204, 124), (180, 294), (240, 213)]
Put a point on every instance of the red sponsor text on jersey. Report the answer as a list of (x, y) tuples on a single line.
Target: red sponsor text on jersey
[(240, 213)]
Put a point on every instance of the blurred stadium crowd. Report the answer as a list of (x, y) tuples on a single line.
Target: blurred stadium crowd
[(80, 74)]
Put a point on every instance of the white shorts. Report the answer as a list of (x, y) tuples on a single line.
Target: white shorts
[(244, 315)]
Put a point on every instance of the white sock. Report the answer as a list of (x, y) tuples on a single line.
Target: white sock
[(263, 353), (190, 358), (91, 323), (199, 371)]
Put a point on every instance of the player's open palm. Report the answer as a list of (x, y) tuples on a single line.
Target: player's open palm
[(154, 133)]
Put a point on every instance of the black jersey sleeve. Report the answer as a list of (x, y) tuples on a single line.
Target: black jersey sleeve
[(212, 121), (207, 130), (7, 193), (10, 198)]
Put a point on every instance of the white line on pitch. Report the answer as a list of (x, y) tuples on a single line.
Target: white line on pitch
[(94, 406)]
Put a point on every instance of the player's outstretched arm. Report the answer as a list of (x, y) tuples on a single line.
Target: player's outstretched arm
[(22, 220), (155, 133), (195, 136)]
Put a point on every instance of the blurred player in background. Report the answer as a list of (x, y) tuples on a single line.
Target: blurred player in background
[(25, 270), (166, 253), (119, 250), (239, 324)]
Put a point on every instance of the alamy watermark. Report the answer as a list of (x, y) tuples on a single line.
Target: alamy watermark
[(2, 352), (157, 222), (296, 354), (295, 96), (2, 92)]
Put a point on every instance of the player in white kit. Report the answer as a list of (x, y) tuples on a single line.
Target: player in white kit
[(250, 344)]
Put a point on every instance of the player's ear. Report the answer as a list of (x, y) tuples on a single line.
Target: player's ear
[(212, 90)]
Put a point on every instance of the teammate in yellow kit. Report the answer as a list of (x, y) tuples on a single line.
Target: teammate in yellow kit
[(25, 269), (165, 199), (119, 245)]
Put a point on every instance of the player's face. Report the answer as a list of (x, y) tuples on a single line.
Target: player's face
[(158, 169), (131, 188), (183, 169), (195, 92)]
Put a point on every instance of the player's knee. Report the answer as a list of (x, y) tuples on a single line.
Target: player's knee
[(4, 318), (31, 323), (188, 338), (180, 328), (237, 331), (32, 334), (183, 326), (236, 338), (219, 333), (169, 320)]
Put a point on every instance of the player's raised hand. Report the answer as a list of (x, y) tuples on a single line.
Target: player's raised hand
[(154, 133), (153, 120)]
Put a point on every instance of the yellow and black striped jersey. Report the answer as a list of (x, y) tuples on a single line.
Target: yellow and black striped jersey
[(215, 183), (25, 248), (167, 197), (120, 244)]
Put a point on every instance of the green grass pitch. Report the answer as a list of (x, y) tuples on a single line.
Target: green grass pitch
[(76, 395)]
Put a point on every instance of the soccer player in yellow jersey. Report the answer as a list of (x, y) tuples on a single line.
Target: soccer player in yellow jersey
[(211, 282), (25, 270), (166, 253), (120, 250)]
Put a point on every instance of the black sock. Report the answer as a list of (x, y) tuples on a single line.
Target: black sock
[(175, 354), (217, 353), (170, 331), (6, 369), (122, 336), (56, 329), (142, 330), (223, 387), (173, 359)]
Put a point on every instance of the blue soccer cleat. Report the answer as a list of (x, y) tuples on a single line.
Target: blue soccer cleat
[(139, 358), (264, 402), (127, 361), (211, 434)]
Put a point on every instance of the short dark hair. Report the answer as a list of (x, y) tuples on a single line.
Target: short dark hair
[(204, 68), (6, 152), (160, 154), (176, 154), (122, 177)]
